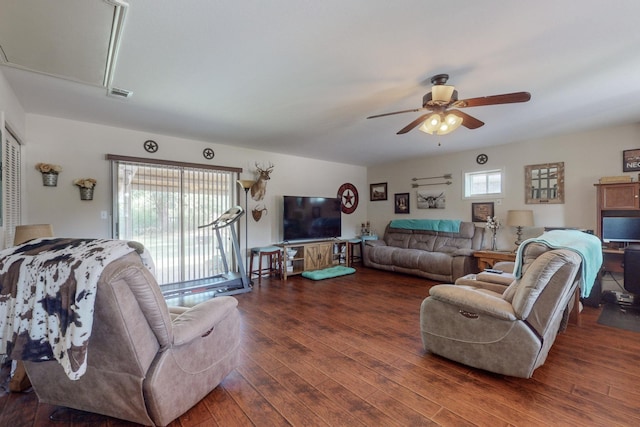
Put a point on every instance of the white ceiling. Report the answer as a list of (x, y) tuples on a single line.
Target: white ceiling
[(300, 76)]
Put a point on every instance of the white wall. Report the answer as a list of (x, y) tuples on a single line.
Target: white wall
[(13, 112), (587, 156), (80, 148)]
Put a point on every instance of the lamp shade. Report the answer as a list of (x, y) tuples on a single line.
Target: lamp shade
[(442, 93), (520, 218), (245, 183), (33, 231)]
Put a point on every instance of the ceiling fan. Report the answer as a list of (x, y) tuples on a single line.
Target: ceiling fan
[(442, 120)]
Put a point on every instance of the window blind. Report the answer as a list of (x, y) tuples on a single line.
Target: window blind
[(162, 207)]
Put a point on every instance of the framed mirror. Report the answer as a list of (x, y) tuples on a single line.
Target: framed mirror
[(544, 183)]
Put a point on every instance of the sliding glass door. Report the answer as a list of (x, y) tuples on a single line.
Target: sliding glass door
[(162, 207)]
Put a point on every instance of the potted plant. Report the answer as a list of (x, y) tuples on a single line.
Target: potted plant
[(86, 186), (49, 173)]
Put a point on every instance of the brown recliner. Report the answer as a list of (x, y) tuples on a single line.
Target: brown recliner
[(508, 333), (146, 363)]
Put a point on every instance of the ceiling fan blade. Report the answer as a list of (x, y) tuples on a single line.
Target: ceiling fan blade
[(413, 124), (468, 121), (395, 112), (507, 98)]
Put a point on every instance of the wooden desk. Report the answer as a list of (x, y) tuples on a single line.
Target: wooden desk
[(487, 259), (612, 260)]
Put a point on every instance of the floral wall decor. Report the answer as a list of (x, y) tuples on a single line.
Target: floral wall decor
[(86, 186), (49, 173)]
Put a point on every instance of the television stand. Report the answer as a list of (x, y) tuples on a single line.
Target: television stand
[(299, 257)]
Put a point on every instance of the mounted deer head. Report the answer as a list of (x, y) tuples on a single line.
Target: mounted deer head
[(258, 212), (259, 188)]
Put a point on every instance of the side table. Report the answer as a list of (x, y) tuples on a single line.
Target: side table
[(487, 259)]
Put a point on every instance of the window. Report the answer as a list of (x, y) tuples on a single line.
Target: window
[(483, 184), (10, 185), (162, 206)]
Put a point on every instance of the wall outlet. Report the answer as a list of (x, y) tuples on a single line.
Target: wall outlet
[(104, 215)]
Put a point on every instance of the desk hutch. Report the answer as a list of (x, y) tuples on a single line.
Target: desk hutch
[(616, 200)]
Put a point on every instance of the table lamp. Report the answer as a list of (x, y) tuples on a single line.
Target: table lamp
[(519, 219), (32, 231)]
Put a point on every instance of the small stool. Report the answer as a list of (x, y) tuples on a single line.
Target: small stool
[(352, 244), (273, 266)]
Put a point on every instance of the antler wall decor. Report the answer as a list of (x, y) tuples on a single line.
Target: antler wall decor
[(259, 188)]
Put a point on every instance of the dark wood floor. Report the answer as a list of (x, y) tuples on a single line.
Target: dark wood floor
[(347, 352)]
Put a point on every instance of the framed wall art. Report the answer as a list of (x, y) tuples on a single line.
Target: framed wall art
[(431, 199), (401, 203), (480, 211), (378, 191), (631, 160)]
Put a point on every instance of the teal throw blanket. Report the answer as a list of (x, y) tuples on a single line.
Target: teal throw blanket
[(586, 245), (444, 225)]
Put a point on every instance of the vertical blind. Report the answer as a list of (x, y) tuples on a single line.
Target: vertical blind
[(162, 207), (10, 206)]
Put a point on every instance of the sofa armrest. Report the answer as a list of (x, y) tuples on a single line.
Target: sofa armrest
[(463, 252), (199, 320), (477, 301), (506, 266), (504, 279), (375, 243)]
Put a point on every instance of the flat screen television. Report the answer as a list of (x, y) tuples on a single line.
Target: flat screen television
[(620, 229), (311, 218)]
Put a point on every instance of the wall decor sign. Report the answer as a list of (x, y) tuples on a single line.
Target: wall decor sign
[(480, 211), (378, 191), (431, 199), (150, 146), (348, 193), (631, 160), (401, 203), (208, 153)]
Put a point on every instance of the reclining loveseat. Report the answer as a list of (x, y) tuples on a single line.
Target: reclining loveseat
[(511, 331)]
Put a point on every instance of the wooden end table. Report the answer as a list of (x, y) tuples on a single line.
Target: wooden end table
[(487, 259)]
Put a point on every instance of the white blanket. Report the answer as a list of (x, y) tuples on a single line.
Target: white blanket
[(47, 295)]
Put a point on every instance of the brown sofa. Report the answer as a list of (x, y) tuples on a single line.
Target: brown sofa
[(437, 255), (147, 363)]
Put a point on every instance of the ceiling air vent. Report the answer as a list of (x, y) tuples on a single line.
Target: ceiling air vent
[(120, 93)]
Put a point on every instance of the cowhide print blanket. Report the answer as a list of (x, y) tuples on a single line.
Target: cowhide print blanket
[(47, 295)]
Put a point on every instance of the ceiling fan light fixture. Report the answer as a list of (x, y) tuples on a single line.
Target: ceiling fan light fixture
[(432, 124), (442, 93), (453, 121), (450, 123), (439, 124)]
